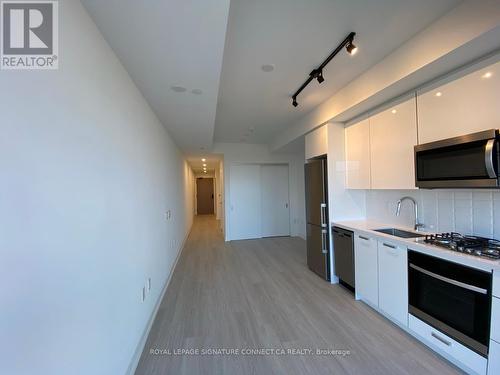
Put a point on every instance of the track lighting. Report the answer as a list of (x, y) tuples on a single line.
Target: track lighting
[(318, 72)]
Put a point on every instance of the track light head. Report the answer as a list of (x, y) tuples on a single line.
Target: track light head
[(294, 102), (351, 48), (320, 77)]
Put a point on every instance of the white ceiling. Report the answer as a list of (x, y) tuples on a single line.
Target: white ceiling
[(296, 36), (212, 161), (165, 43)]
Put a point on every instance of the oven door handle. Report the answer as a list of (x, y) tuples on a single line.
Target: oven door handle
[(488, 158), (449, 281)]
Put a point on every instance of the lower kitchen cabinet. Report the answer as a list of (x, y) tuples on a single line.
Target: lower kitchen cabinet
[(365, 262), (494, 358), (393, 281)]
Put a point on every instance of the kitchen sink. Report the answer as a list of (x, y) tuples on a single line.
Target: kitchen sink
[(399, 233)]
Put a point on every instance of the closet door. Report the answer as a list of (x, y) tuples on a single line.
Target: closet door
[(275, 201), (245, 210)]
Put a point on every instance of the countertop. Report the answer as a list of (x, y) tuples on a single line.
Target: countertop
[(367, 227)]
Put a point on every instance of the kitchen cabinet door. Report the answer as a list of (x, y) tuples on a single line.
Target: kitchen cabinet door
[(366, 270), (393, 135), (393, 281), (466, 105), (494, 358), (357, 138)]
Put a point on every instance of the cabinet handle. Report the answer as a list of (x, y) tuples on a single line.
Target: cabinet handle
[(364, 238), (389, 246), (444, 341)]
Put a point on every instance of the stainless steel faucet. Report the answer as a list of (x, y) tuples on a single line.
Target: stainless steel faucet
[(415, 205)]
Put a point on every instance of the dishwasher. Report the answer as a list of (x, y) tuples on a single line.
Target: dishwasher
[(343, 249)]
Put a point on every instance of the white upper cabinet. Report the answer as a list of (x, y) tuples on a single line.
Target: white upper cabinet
[(393, 135), (316, 143), (358, 155), (466, 105)]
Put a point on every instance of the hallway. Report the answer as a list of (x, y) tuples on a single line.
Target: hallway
[(259, 294)]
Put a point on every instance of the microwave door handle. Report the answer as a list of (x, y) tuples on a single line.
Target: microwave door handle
[(488, 158), (449, 281)]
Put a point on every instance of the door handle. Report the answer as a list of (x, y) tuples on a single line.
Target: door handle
[(460, 284), (323, 214), (488, 159), (364, 238), (324, 249)]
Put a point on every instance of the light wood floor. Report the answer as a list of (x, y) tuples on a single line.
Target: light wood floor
[(260, 294)]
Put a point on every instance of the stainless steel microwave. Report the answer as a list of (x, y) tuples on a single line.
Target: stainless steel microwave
[(469, 161)]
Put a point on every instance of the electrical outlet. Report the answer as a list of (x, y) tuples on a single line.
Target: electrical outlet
[(143, 293)]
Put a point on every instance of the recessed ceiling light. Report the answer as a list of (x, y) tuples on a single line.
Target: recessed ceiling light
[(487, 75), (203, 160), (267, 68), (197, 91), (204, 165), (439, 93), (394, 111), (178, 88), (205, 171)]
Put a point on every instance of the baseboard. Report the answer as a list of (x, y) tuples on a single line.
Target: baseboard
[(140, 347)]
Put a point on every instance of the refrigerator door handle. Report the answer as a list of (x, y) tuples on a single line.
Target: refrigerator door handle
[(324, 249), (323, 215)]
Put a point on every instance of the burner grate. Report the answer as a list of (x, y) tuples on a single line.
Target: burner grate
[(473, 245)]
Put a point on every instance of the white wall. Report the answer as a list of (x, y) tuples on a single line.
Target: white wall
[(237, 153), (466, 211), (87, 174)]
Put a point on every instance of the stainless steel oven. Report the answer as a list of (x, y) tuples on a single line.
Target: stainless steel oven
[(469, 161), (452, 298)]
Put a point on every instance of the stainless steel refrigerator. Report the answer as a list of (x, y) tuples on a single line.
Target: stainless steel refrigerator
[(318, 257)]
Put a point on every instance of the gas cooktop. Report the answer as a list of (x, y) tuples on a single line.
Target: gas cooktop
[(473, 245)]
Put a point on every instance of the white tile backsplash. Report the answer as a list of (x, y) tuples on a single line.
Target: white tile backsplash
[(466, 211)]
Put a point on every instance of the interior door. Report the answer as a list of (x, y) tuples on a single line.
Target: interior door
[(205, 196), (245, 196), (275, 201)]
